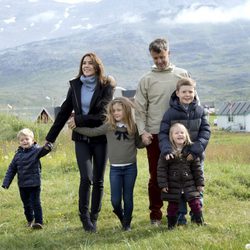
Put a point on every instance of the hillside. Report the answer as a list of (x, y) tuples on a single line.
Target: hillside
[(217, 55)]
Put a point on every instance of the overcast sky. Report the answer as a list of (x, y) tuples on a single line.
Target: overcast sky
[(23, 21)]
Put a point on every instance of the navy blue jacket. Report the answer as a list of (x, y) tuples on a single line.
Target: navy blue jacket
[(101, 97), (194, 119), (27, 166)]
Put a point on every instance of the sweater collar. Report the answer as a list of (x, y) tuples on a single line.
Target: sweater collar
[(89, 81), (170, 67)]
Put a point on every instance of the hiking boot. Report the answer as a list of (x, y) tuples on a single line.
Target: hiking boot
[(198, 218), (94, 223), (86, 223), (172, 220), (126, 224), (155, 223), (37, 226), (29, 224)]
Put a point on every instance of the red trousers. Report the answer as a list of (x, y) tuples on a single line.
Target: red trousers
[(154, 192), (194, 204)]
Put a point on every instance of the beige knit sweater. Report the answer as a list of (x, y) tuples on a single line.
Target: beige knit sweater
[(152, 97)]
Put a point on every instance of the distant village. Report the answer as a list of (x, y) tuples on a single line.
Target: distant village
[(230, 116)]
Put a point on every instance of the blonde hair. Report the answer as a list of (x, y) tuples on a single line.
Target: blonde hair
[(25, 132), (185, 81), (127, 108), (171, 131)]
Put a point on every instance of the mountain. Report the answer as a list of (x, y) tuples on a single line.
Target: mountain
[(216, 54), (24, 21)]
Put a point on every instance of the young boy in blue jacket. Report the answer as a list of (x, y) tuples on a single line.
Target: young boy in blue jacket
[(185, 109), (26, 164)]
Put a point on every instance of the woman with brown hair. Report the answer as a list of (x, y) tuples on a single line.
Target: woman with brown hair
[(88, 95)]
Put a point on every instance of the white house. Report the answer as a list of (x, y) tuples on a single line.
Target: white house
[(234, 116)]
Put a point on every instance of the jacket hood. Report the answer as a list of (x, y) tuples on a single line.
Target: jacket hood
[(174, 102), (34, 145)]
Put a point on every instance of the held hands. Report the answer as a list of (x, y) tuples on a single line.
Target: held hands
[(48, 145), (71, 123), (146, 138), (200, 189), (165, 190)]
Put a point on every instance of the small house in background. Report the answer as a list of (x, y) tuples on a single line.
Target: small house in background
[(129, 93), (47, 115), (209, 106), (234, 116)]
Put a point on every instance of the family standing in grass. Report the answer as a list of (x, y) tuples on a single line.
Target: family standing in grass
[(102, 127)]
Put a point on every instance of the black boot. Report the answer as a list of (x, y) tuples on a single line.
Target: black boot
[(93, 219), (172, 220), (86, 223), (126, 224), (119, 214), (198, 218)]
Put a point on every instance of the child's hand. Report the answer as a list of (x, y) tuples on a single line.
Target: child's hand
[(71, 123), (48, 146), (190, 157), (169, 156), (200, 189), (165, 190)]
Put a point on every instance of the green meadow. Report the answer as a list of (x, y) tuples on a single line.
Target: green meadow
[(226, 201)]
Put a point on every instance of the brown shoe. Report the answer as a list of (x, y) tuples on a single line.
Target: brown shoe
[(155, 223), (37, 226)]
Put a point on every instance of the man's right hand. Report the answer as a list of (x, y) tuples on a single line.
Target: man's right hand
[(146, 138)]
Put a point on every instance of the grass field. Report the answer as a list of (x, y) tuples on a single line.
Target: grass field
[(226, 203)]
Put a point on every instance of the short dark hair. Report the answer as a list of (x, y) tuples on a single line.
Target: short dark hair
[(158, 45)]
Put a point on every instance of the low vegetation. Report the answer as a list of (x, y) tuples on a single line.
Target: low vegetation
[(226, 207)]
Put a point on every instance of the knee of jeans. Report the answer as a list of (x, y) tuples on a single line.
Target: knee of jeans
[(116, 203), (37, 205), (182, 208)]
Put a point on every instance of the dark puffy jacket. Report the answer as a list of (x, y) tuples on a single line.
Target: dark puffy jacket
[(102, 95), (27, 165), (179, 175), (194, 119)]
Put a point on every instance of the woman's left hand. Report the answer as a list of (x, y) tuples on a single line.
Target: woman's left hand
[(71, 123)]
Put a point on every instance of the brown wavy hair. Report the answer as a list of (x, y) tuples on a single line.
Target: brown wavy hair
[(99, 69), (128, 112)]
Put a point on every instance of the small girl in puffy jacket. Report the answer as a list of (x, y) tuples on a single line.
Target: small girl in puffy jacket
[(26, 164), (180, 176)]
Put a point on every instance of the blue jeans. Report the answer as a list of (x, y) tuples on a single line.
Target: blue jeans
[(30, 197), (122, 181), (181, 220)]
